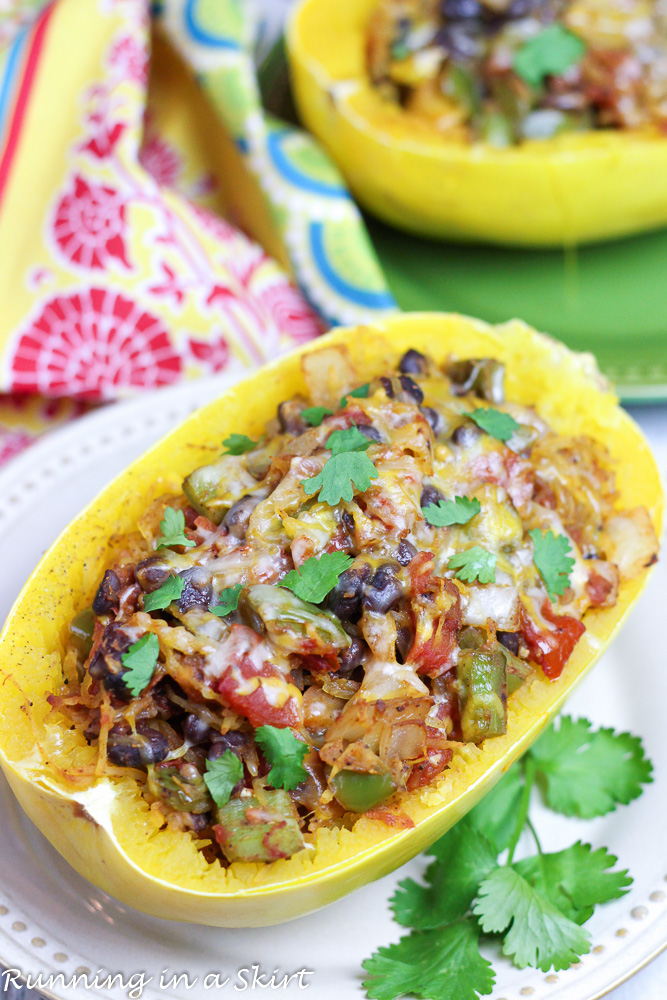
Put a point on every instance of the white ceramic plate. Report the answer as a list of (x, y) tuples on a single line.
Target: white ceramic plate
[(52, 921)]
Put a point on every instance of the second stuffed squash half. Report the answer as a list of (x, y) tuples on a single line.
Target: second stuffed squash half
[(575, 187)]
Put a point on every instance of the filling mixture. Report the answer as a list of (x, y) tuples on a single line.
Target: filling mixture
[(323, 616), (501, 71)]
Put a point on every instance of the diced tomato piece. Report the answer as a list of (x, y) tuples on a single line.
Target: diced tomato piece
[(437, 759), (552, 648), (254, 687), (437, 611)]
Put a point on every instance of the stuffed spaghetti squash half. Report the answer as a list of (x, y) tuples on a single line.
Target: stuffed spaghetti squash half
[(298, 639)]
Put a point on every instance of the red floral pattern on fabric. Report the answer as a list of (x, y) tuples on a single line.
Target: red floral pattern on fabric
[(104, 139), (290, 312), (89, 225), (213, 353), (128, 59), (161, 161), (92, 344)]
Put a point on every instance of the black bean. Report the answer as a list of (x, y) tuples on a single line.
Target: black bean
[(107, 665), (237, 517), (433, 417), (198, 731), (147, 747), (151, 573), (198, 821), (198, 589), (352, 657), (460, 39), (413, 363), (345, 599), (455, 10), (406, 552), (370, 432), (410, 388), (383, 591), (233, 740), (510, 640), (404, 642), (106, 599), (289, 416), (465, 435), (430, 495), (387, 386)]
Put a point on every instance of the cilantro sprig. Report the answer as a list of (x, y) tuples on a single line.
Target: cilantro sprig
[(359, 393), (317, 576), (238, 444), (496, 423), (161, 598), (228, 601), (285, 753), (549, 53), (222, 775), (172, 527), (349, 466), (473, 564), (140, 661), (444, 513), (314, 415), (536, 906), (550, 555)]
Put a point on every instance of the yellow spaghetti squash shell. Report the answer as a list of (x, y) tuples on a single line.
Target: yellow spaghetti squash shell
[(571, 189), (104, 829)]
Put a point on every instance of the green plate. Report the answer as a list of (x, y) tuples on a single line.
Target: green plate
[(610, 299)]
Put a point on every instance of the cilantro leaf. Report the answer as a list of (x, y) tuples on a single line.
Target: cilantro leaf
[(443, 964), (316, 577), (589, 772), (496, 423), (460, 510), (576, 879), (222, 775), (549, 53), (463, 858), (170, 591), (537, 933), (335, 482), (228, 600), (314, 415), (360, 393), (496, 815), (238, 444), (285, 754), (474, 564), (350, 439), (552, 561), (140, 661), (173, 530)]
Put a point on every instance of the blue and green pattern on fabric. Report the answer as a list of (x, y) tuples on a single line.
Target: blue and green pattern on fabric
[(320, 226)]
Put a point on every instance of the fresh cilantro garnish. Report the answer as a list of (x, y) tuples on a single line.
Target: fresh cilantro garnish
[(552, 561), (432, 965), (536, 933), (285, 754), (317, 576), (588, 772), (228, 600), (336, 480), (535, 905), (496, 423), (360, 393), (238, 444), (474, 564), (576, 879), (173, 530), (170, 591), (463, 858), (460, 510), (222, 775), (139, 662), (350, 439), (549, 53), (314, 415)]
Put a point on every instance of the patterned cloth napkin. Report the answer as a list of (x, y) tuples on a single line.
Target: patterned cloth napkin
[(133, 152)]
